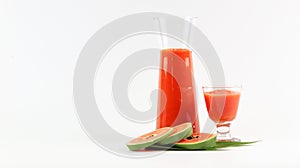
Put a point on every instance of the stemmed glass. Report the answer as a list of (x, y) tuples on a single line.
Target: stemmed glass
[(222, 105)]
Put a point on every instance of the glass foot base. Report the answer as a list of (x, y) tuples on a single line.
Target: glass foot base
[(232, 139)]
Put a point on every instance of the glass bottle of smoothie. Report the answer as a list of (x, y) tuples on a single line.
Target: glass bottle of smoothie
[(177, 97)]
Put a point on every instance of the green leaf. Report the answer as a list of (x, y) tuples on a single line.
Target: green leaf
[(219, 145), (233, 144)]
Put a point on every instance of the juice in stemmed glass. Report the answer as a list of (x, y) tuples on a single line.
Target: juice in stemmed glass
[(222, 105)]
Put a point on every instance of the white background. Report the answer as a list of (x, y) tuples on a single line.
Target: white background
[(40, 41)]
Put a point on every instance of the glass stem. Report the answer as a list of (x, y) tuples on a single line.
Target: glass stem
[(223, 132)]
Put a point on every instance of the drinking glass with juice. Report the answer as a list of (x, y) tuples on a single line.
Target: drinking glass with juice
[(222, 106)]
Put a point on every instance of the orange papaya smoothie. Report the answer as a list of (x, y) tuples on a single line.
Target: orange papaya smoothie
[(176, 101), (222, 105)]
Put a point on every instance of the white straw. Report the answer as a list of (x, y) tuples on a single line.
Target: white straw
[(159, 24), (188, 27)]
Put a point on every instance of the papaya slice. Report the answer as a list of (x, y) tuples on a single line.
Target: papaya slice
[(149, 139), (180, 132), (198, 141)]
